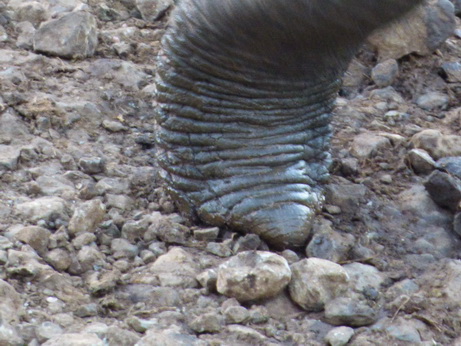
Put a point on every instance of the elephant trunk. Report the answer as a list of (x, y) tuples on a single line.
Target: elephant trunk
[(245, 91)]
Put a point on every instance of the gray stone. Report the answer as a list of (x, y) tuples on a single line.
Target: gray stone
[(176, 268), (9, 156), (152, 10), (91, 165), (48, 330), (118, 336), (210, 322), (451, 165), (247, 243), (315, 282), (113, 185), (121, 202), (90, 258), (444, 189), (290, 256), (362, 276), (350, 312), (206, 234), (87, 217), (172, 336), (433, 100), (329, 244), (253, 275), (33, 12), (345, 196), (76, 32), (113, 126), (55, 185), (219, 249), (85, 238), (123, 248), (166, 229), (452, 71), (384, 73), (208, 279), (339, 336), (26, 33), (236, 314), (43, 208), (420, 161), (75, 339), (135, 229), (87, 310), (457, 224), (101, 282)]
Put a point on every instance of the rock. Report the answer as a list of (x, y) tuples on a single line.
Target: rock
[(368, 144), (101, 282), (75, 339), (329, 244), (121, 202), (350, 312), (55, 185), (208, 279), (172, 336), (402, 329), (135, 229), (176, 268), (87, 217), (9, 156), (119, 336), (85, 238), (91, 165), (166, 229), (290, 256), (437, 144), (363, 276), (76, 32), (26, 33), (123, 248), (33, 12), (47, 330), (345, 196), (90, 258), (339, 336), (444, 189), (112, 185), (457, 224), (247, 243), (384, 73), (49, 209), (206, 234), (450, 165), (452, 71), (421, 31), (433, 100), (113, 126), (315, 282), (210, 322), (219, 249), (420, 161), (10, 304), (235, 314), (59, 259), (87, 310), (152, 10), (36, 237), (253, 275)]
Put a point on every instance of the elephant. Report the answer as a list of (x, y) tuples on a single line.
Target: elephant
[(245, 94)]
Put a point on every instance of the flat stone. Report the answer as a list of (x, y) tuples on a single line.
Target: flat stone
[(339, 336), (43, 208), (350, 312), (367, 145), (36, 237), (433, 100), (420, 161), (75, 339)]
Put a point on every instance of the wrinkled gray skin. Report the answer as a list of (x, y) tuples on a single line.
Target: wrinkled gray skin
[(245, 93)]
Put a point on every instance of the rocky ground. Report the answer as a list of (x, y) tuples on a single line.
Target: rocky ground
[(93, 253)]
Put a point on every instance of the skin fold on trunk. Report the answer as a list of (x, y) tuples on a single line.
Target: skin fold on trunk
[(245, 92)]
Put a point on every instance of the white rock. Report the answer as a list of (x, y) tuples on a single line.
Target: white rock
[(87, 217), (252, 275), (339, 336)]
